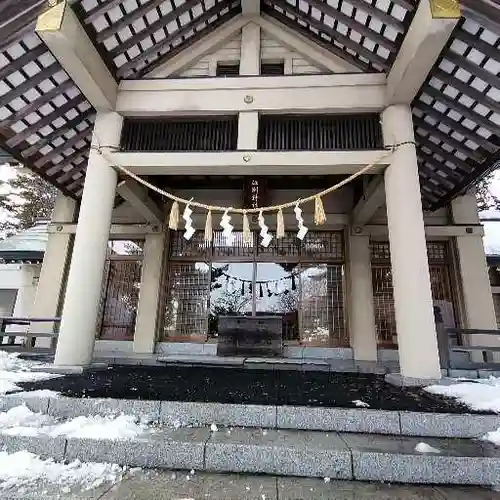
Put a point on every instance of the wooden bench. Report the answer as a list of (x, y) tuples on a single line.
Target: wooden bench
[(30, 336)]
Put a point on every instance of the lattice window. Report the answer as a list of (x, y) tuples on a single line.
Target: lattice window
[(283, 248), (119, 300), (322, 305), (318, 245), (187, 306), (221, 250), (383, 297), (196, 247)]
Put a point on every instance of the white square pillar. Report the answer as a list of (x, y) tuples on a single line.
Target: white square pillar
[(75, 344), (151, 279), (360, 300), (49, 293), (476, 288), (417, 340)]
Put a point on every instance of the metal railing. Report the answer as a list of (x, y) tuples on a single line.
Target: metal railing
[(452, 341), (29, 336)]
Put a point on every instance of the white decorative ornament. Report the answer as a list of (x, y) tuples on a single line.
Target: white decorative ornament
[(264, 232), (227, 227), (189, 230), (300, 222)]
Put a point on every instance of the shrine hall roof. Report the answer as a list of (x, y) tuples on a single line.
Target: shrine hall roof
[(46, 122)]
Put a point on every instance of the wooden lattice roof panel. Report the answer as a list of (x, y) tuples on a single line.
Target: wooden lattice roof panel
[(45, 121), (368, 34), (457, 112), (133, 36)]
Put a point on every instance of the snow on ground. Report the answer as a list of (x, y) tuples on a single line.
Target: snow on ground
[(14, 370), (360, 404), (492, 437), (426, 448), (25, 469), (478, 395), (21, 421)]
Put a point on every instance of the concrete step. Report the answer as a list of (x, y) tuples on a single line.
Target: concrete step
[(334, 455), (398, 423)]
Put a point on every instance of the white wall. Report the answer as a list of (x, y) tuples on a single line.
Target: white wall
[(271, 50), (24, 279)]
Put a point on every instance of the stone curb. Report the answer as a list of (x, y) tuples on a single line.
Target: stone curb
[(173, 413), (298, 453)]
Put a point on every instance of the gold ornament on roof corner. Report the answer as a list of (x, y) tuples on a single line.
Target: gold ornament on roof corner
[(445, 9)]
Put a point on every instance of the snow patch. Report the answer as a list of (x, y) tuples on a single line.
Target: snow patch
[(21, 421), (25, 469), (492, 437), (14, 370), (480, 395), (426, 448), (360, 404), (214, 428)]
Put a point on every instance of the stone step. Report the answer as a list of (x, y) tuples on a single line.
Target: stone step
[(398, 423), (361, 457)]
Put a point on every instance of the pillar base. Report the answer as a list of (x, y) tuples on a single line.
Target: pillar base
[(401, 381), (70, 369)]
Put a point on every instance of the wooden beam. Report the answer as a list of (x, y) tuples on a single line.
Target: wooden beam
[(136, 14), (37, 103), (16, 64), (143, 34), (454, 125), (250, 7), (473, 69), (310, 50), (426, 172), (423, 141), (66, 38), (372, 199), (468, 90), (352, 23), (116, 230), (29, 84), (208, 43), (156, 48), (84, 135), (471, 155), (100, 9), (423, 43), (299, 93), (137, 196), (298, 28), (452, 174), (333, 33), (46, 120), (249, 163), (379, 14), (466, 111), (431, 230), (71, 125)]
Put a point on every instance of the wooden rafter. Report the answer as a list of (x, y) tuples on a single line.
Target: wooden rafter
[(129, 66), (150, 30), (344, 40)]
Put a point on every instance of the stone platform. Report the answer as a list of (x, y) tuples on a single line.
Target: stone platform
[(335, 455), (363, 420), (174, 485)]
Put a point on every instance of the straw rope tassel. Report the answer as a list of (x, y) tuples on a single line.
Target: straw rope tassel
[(208, 228), (247, 234), (280, 225), (173, 221), (319, 211)]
